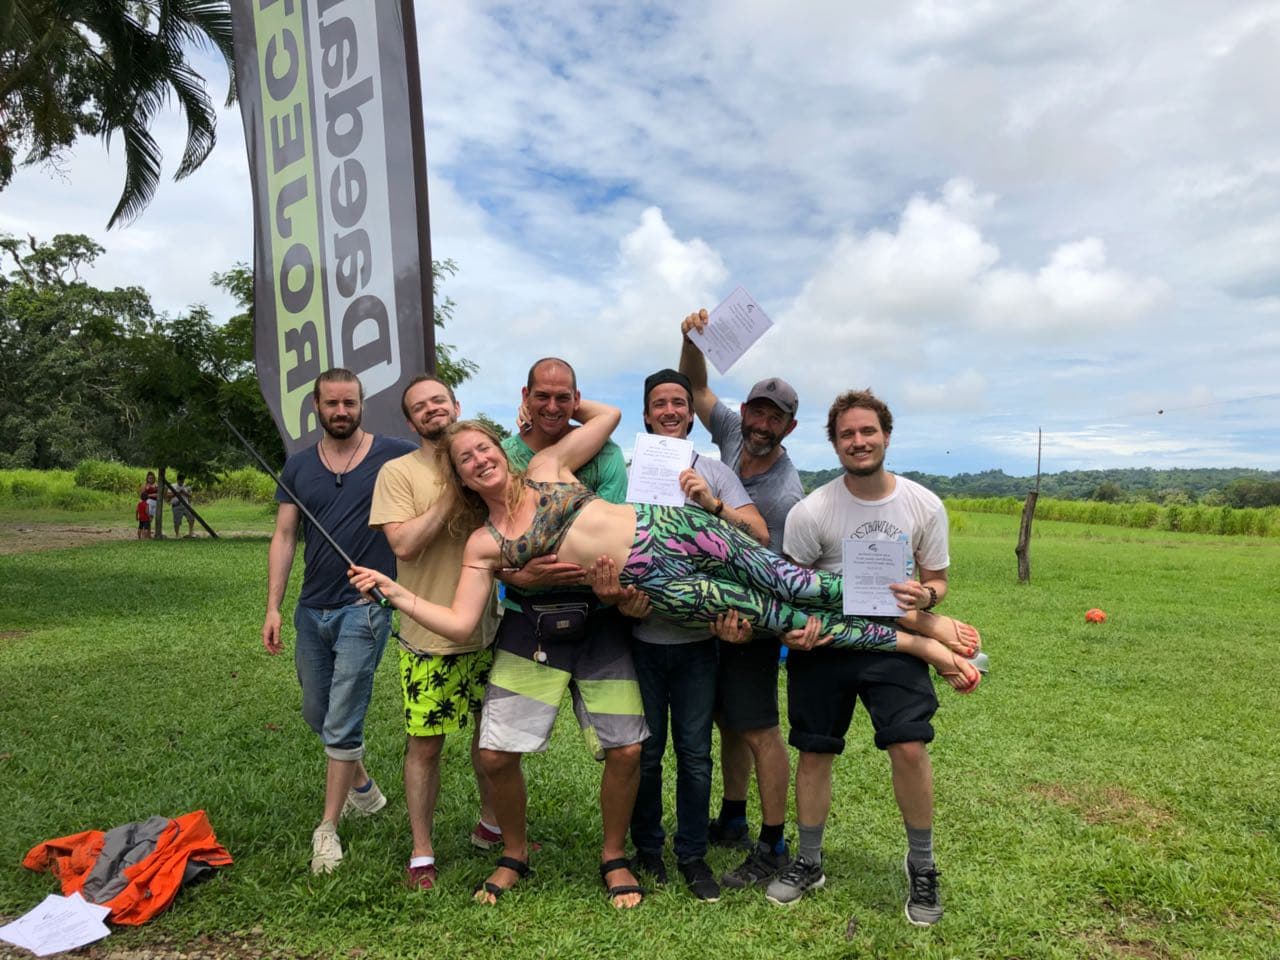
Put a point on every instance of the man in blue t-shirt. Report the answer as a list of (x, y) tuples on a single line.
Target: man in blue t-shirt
[(340, 634)]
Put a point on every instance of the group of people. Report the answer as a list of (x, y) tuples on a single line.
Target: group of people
[(654, 619), (179, 498)]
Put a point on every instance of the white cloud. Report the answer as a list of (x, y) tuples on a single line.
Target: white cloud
[(1074, 292), (1022, 211)]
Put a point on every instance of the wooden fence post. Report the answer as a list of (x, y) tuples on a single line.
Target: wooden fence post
[(1023, 549)]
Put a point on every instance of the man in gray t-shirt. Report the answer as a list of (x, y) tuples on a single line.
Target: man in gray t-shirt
[(750, 443), (676, 665)]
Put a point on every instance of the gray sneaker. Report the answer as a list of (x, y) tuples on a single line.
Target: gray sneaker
[(790, 885), (326, 849), (924, 909), (364, 804), (761, 866)]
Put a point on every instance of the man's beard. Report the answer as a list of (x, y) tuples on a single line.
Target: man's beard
[(867, 471), (760, 448), (433, 430), (340, 431)]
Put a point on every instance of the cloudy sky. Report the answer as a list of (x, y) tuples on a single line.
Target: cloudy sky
[(1002, 215)]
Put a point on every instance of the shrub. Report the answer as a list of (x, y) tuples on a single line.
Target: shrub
[(109, 477), (245, 484)]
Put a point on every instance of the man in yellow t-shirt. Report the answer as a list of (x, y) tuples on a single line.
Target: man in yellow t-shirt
[(443, 682)]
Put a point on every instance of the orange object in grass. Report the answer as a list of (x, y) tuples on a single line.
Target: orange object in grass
[(1095, 616)]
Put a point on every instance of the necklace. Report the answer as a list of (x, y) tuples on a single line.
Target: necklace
[(338, 474)]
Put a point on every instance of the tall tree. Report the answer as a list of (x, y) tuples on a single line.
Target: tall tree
[(101, 67), (64, 346)]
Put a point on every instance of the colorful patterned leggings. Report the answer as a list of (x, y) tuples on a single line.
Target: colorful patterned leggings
[(693, 566)]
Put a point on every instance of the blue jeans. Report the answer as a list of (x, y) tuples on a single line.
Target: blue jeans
[(679, 679), (336, 654)]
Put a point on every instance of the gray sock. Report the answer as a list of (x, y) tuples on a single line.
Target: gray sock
[(920, 846), (811, 841)]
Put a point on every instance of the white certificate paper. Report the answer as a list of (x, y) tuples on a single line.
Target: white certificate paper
[(57, 924), (656, 466), (731, 329), (869, 567)]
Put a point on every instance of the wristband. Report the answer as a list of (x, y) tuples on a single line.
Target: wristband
[(719, 509), (933, 598)]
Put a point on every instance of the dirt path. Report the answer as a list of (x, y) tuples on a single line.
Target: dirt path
[(242, 945), (31, 537)]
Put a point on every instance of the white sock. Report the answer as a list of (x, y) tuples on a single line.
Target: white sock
[(421, 861), (491, 827)]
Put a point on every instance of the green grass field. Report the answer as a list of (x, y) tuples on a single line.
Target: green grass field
[(1109, 791)]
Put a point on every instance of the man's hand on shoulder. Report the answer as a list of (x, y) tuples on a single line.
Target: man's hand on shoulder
[(543, 572)]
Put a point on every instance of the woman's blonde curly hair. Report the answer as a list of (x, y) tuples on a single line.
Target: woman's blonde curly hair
[(472, 511)]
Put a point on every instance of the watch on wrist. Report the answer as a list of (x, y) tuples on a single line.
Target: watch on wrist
[(719, 508), (933, 598)]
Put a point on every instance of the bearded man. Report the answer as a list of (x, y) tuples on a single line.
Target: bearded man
[(340, 634), (442, 682)]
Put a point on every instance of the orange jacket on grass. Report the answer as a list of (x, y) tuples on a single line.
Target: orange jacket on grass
[(145, 867)]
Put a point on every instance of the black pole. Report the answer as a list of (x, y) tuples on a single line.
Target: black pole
[(377, 594), (190, 509)]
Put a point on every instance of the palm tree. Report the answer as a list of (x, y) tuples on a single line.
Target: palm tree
[(70, 67)]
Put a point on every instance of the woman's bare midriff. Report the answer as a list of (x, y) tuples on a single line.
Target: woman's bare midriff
[(602, 528)]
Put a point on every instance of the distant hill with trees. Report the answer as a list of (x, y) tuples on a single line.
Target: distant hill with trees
[(1213, 486)]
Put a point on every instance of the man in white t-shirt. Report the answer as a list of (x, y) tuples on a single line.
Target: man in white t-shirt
[(824, 685)]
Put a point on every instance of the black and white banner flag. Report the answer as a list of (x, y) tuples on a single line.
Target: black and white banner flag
[(331, 102)]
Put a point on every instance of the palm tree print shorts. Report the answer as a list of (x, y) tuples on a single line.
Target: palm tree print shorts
[(442, 691)]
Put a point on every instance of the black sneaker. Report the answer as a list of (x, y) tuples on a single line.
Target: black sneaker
[(734, 835), (924, 909), (761, 866), (792, 884), (650, 862), (702, 883)]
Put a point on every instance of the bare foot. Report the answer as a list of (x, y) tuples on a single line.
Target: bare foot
[(956, 635), (962, 675)]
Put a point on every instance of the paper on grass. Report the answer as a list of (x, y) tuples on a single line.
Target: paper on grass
[(870, 566), (57, 924), (731, 329), (656, 465)]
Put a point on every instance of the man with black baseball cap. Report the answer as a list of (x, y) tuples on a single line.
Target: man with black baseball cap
[(750, 442), (676, 665)]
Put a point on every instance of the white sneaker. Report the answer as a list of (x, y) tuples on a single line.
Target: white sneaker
[(326, 849), (364, 804)]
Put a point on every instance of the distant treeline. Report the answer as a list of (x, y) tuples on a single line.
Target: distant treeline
[(1143, 515), (1207, 486)]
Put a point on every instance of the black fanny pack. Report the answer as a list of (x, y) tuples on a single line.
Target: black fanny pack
[(558, 620)]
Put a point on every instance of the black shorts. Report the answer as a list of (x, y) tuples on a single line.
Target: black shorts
[(747, 685), (823, 687), (144, 524)]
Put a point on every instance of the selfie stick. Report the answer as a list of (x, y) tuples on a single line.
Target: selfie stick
[(377, 594)]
